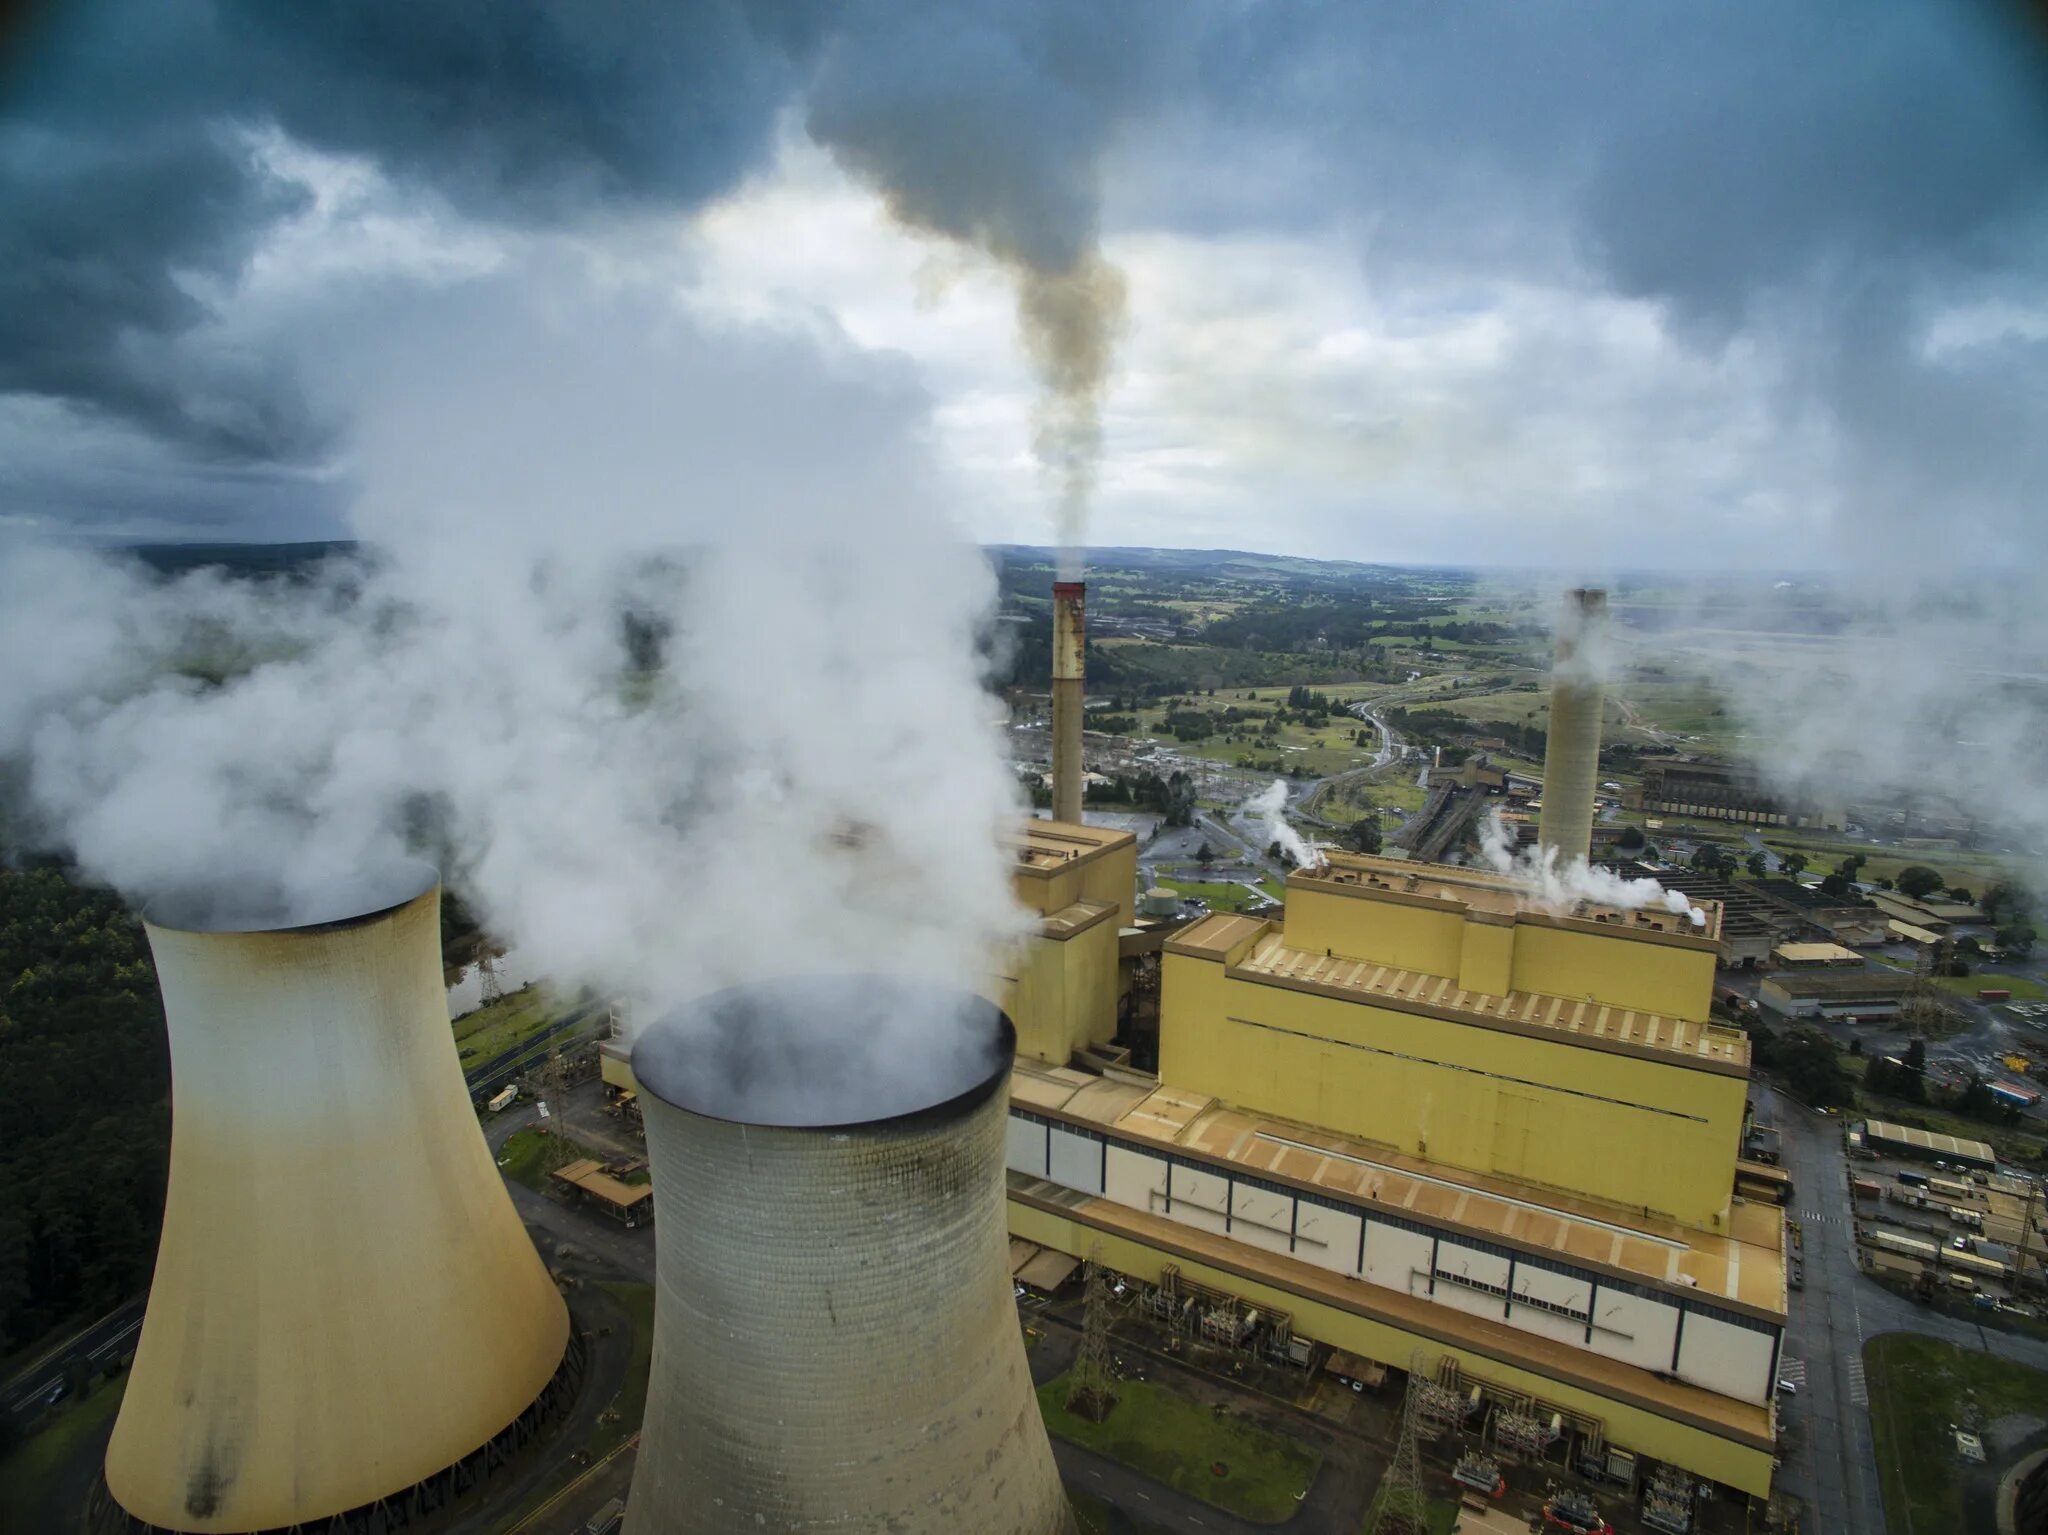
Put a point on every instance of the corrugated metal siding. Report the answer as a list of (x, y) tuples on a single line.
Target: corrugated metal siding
[(836, 1347)]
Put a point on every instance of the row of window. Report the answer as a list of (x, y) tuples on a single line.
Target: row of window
[(1234, 1176)]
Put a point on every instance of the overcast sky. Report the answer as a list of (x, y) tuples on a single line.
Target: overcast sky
[(1749, 282)]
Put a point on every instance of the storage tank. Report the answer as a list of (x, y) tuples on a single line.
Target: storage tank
[(1069, 702), (1571, 754), (836, 1346), (346, 1309)]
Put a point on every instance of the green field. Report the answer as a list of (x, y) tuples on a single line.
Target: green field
[(2022, 989), (1919, 1388), (30, 1473), (483, 1034), (1973, 871), (638, 1299), (1224, 897), (1173, 1440), (525, 1156)]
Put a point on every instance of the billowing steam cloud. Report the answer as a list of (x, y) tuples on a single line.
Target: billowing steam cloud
[(1897, 702), (665, 648), (1269, 807), (987, 124), (1558, 886)]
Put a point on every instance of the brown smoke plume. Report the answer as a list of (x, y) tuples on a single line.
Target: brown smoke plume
[(987, 123), (1069, 321)]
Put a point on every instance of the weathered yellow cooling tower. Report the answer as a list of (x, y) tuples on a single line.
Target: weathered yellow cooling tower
[(1571, 756), (345, 1304), (835, 1343)]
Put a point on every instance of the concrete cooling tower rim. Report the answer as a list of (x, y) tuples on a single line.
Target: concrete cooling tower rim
[(831, 1052), (252, 908)]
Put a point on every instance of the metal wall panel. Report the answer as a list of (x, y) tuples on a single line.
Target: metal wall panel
[(836, 1348)]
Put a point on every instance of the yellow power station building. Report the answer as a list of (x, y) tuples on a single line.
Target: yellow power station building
[(1418, 1115)]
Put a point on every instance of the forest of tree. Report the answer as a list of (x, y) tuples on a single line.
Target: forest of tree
[(85, 1122)]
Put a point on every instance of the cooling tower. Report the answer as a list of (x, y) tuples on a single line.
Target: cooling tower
[(1571, 757), (346, 1310), (1069, 647), (835, 1343)]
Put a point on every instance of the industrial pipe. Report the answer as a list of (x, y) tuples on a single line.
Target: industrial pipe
[(1069, 648)]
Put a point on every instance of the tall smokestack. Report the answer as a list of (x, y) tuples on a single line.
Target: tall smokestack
[(1069, 646), (1571, 755), (345, 1304), (835, 1344)]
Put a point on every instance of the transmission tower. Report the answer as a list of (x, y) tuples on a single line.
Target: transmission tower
[(554, 1079), (491, 985), (1926, 1009), (1400, 1507), (1091, 1397)]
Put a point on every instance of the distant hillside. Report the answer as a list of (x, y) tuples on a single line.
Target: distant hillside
[(241, 559)]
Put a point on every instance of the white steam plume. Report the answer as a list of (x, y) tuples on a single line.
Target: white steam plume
[(1882, 695), (1269, 805), (664, 647), (1558, 886)]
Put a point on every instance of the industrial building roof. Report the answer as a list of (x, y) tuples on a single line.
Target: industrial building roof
[(1077, 918), (1483, 890), (1928, 1141), (1744, 915), (1596, 1025), (590, 1176), (1048, 846), (1789, 892), (1815, 954), (1745, 1268), (1840, 983)]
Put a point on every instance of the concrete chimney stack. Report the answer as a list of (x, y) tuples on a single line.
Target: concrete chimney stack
[(835, 1344), (1571, 756), (346, 1310), (1069, 649)]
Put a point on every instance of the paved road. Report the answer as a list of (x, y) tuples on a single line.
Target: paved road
[(26, 1395), (1829, 1461), (1830, 1458)]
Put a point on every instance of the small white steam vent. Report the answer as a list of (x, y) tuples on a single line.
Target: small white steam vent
[(835, 1344), (347, 1317)]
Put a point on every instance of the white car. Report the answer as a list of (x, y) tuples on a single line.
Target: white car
[(1788, 1388)]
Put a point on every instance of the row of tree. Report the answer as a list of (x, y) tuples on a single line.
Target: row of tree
[(84, 1103)]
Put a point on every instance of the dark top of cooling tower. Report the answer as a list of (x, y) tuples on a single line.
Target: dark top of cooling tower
[(257, 906), (828, 1052)]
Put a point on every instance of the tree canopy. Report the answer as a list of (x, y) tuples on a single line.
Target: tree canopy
[(1918, 881), (84, 1097)]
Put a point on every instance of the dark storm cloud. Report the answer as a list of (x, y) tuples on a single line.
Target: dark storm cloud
[(988, 123), (126, 185), (1827, 176)]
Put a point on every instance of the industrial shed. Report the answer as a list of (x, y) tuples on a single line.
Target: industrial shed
[(630, 1204), (1902, 1141)]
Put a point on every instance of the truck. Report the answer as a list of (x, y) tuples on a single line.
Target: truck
[(506, 1097), (1912, 1180), (607, 1520)]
